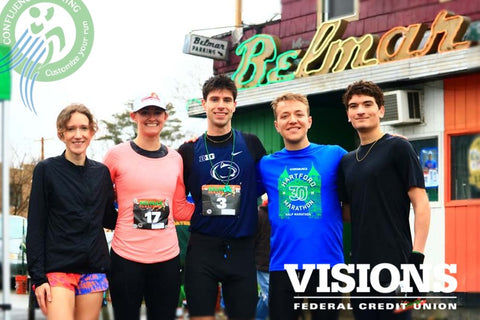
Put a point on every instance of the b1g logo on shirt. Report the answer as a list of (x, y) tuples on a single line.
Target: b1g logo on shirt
[(296, 191), (206, 157)]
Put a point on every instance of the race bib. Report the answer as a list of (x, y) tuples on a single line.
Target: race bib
[(220, 200), (150, 213)]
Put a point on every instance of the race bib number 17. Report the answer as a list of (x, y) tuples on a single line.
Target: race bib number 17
[(150, 213)]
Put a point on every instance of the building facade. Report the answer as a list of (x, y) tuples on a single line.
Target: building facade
[(424, 55)]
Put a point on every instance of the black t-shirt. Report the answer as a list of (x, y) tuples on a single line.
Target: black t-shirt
[(377, 190)]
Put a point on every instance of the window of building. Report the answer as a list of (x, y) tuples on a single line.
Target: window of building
[(334, 9), (427, 151), (465, 174)]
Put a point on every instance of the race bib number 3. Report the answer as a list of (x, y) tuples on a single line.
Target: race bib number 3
[(220, 200), (150, 213)]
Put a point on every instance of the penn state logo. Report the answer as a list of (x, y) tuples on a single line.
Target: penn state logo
[(225, 171)]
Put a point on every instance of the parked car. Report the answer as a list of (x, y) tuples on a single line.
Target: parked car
[(16, 246)]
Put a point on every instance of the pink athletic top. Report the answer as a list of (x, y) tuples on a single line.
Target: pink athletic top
[(136, 178)]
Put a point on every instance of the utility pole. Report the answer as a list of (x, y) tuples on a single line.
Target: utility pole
[(238, 13), (42, 147), (237, 33), (42, 152)]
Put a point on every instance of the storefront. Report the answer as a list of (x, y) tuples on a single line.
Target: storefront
[(426, 60)]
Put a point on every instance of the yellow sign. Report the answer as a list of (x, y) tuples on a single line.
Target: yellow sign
[(261, 64)]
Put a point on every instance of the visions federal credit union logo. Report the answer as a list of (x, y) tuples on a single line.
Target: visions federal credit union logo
[(48, 39)]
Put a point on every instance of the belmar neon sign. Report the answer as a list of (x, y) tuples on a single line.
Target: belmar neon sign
[(261, 64)]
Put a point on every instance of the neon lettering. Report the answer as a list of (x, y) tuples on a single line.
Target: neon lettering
[(261, 64)]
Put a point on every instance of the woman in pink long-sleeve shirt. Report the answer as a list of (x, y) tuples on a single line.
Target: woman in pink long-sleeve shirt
[(148, 180)]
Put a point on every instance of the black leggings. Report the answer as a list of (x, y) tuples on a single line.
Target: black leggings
[(157, 283), (212, 260)]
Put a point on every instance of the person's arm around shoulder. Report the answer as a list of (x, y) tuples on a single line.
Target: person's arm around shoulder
[(421, 208), (186, 152), (260, 185), (255, 146), (258, 151), (182, 210)]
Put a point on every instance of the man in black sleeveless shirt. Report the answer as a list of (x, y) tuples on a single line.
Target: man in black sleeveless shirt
[(220, 173)]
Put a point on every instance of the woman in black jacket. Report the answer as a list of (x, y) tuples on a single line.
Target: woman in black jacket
[(70, 203)]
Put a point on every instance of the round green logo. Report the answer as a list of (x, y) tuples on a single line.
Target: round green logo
[(49, 39)]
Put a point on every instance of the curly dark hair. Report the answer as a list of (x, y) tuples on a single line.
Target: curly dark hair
[(219, 82), (366, 88)]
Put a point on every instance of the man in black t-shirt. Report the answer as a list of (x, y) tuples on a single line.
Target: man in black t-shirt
[(377, 182)]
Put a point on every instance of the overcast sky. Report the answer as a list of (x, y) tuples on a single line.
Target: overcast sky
[(137, 49)]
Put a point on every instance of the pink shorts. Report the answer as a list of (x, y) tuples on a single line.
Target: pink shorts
[(79, 283)]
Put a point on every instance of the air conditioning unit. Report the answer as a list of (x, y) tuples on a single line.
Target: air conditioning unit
[(402, 107)]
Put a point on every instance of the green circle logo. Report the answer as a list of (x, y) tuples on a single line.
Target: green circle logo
[(50, 39)]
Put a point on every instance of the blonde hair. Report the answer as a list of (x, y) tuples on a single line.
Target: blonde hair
[(289, 97)]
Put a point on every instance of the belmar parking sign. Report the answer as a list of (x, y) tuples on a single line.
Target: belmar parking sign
[(205, 47)]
